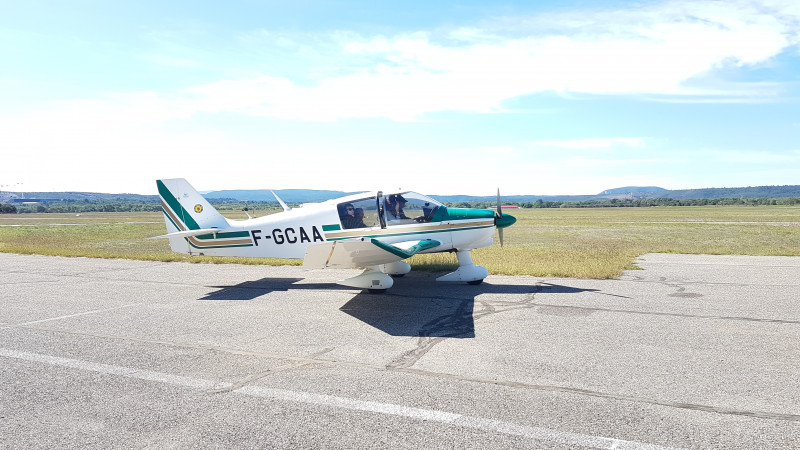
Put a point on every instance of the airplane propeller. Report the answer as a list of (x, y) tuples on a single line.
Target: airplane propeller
[(501, 221), (499, 215)]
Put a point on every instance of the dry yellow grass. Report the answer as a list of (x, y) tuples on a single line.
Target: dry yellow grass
[(565, 242), (603, 242)]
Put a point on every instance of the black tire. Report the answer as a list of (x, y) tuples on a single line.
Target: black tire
[(398, 275), (376, 291), (475, 282)]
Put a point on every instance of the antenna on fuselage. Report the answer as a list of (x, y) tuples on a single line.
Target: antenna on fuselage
[(284, 205)]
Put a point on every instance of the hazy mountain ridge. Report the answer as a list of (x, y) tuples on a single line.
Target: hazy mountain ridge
[(311, 195), (743, 192), (632, 192), (19, 197), (287, 195), (633, 189)]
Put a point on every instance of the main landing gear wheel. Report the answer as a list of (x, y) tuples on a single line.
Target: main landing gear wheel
[(396, 269), (467, 271), (371, 279)]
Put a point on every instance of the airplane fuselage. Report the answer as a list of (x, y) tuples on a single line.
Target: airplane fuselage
[(289, 233), (370, 230)]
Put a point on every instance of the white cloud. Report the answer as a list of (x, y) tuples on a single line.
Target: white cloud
[(590, 143), (755, 157), (678, 51), (170, 61), (500, 151), (596, 163), (664, 50)]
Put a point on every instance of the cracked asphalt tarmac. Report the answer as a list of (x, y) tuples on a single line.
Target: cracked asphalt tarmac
[(693, 351)]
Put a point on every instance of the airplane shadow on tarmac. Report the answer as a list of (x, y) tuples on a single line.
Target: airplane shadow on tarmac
[(250, 290), (417, 306)]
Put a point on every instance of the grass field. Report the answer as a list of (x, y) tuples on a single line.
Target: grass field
[(563, 242)]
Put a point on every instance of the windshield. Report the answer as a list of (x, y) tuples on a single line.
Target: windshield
[(409, 207)]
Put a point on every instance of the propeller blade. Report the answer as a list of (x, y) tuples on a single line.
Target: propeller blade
[(499, 208), (499, 216)]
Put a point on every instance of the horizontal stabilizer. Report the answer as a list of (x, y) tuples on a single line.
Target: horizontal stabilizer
[(362, 253), (188, 233)]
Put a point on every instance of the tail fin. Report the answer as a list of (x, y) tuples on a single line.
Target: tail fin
[(185, 209)]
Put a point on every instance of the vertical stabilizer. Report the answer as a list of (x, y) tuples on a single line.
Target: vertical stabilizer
[(185, 209)]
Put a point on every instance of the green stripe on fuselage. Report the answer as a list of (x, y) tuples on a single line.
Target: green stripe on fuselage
[(230, 234), (166, 214), (467, 214), (217, 246)]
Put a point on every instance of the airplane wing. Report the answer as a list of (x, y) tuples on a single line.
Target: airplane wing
[(362, 253)]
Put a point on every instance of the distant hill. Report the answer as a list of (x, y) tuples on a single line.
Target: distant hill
[(287, 195), (628, 192), (310, 195), (77, 196), (741, 192), (634, 189), (512, 198), (634, 192), (637, 192)]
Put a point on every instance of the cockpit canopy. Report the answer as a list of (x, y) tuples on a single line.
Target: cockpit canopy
[(381, 210)]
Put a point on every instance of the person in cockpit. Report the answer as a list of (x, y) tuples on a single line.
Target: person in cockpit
[(359, 218), (347, 216), (394, 207)]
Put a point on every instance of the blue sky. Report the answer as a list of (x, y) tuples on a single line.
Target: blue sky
[(567, 97)]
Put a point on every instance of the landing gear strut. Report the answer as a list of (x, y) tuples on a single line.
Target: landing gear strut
[(467, 270)]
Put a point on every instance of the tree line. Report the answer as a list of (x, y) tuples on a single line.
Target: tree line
[(634, 203), (85, 206)]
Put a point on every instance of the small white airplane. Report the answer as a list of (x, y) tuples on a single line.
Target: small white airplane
[(373, 230)]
